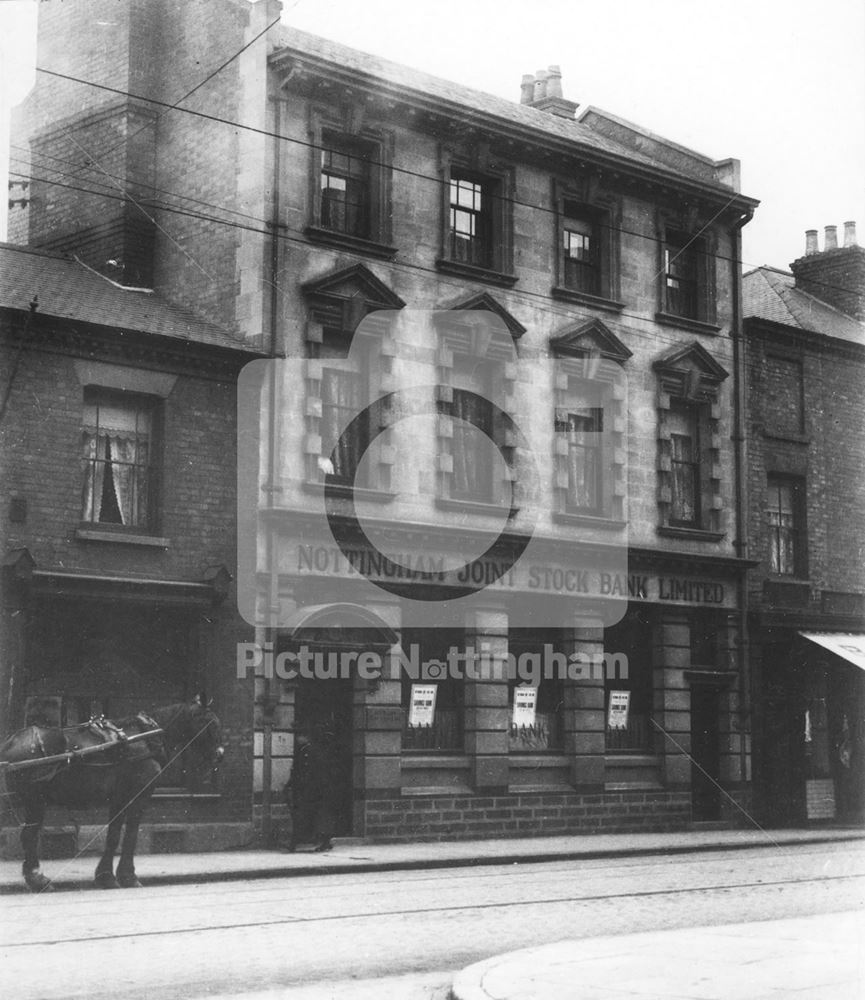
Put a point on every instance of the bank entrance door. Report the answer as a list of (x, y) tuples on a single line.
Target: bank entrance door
[(705, 753), (323, 709)]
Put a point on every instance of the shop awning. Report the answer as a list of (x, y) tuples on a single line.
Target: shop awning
[(848, 645)]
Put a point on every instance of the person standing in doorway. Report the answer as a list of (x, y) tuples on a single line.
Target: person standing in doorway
[(311, 791)]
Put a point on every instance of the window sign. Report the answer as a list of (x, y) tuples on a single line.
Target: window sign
[(525, 705), (617, 714), (423, 705)]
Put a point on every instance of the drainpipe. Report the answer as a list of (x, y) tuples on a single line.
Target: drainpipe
[(740, 457), (269, 632)]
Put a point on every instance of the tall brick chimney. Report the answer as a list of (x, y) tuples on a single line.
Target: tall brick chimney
[(91, 150), (837, 274), (543, 90)]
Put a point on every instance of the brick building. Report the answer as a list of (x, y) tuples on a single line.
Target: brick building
[(565, 284), (805, 344)]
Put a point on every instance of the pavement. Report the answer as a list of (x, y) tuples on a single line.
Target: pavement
[(357, 856), (809, 958), (812, 958)]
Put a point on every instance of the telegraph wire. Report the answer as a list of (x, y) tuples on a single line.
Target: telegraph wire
[(284, 233), (395, 169)]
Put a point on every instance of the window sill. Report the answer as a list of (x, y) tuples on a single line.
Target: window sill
[(688, 323), (351, 492), (345, 241), (789, 436), (691, 534), (421, 759), (485, 274), (589, 521), (586, 299), (121, 538), (179, 793), (475, 506), (539, 758)]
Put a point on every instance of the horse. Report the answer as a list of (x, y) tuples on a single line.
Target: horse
[(123, 776)]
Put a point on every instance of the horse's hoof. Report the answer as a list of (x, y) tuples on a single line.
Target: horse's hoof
[(129, 882), (105, 880), (37, 882)]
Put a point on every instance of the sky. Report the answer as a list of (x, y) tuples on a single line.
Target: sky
[(777, 84)]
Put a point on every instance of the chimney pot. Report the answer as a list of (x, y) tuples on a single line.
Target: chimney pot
[(527, 89), (830, 238), (540, 84), (850, 234), (811, 242), (554, 82)]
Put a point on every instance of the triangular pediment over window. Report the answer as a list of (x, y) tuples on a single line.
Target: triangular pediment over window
[(590, 339), (689, 370), (343, 297), (484, 302)]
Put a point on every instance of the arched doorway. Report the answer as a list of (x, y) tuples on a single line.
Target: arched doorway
[(329, 693)]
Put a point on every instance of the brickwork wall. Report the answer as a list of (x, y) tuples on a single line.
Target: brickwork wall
[(829, 455), (466, 816), (40, 445)]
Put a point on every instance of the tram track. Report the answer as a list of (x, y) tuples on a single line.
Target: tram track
[(451, 908)]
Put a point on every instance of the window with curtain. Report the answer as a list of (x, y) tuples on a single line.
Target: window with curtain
[(117, 451), (580, 248), (684, 427), (345, 397), (785, 510)]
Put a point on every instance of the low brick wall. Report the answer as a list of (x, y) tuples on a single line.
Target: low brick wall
[(455, 817)]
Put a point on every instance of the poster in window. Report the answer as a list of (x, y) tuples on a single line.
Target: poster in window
[(423, 705), (525, 706), (617, 713)]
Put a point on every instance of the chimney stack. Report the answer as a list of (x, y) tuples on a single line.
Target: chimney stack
[(543, 90), (837, 274)]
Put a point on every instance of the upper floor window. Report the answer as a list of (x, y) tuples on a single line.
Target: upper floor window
[(687, 279), (477, 240), (786, 515), (684, 425), (581, 258), (346, 189), (345, 394), (472, 446), (118, 438), (471, 220), (350, 188), (581, 421)]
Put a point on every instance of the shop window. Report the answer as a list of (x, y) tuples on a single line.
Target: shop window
[(118, 445), (631, 639), (785, 511), (430, 648), (544, 732)]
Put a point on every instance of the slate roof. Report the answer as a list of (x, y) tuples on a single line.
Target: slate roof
[(69, 290), (772, 295), (424, 84)]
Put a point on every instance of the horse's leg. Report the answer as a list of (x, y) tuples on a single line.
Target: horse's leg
[(126, 866), (34, 815), (105, 869)]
